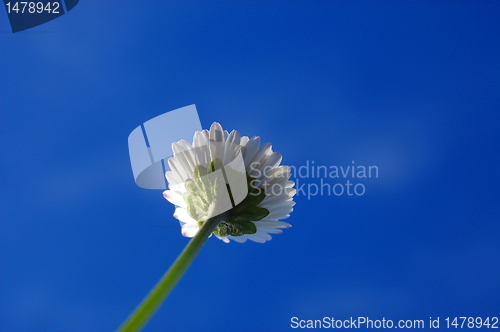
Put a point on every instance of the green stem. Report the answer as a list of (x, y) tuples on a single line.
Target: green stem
[(156, 296)]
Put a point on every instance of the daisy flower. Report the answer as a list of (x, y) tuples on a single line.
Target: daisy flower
[(223, 175)]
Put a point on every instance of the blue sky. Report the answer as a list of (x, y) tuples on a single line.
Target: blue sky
[(411, 87)]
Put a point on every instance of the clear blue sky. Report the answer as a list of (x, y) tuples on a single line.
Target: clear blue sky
[(411, 87)]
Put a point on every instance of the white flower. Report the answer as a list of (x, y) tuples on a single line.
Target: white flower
[(199, 193)]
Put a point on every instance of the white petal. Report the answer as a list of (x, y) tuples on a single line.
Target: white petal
[(279, 217), (271, 162), (270, 230), (231, 147), (285, 195), (223, 238), (181, 146), (250, 148), (280, 213), (279, 172), (264, 235), (183, 216), (234, 137), (173, 177), (174, 198), (182, 161), (271, 223), (244, 140), (273, 185), (273, 206), (189, 153), (189, 230), (239, 239), (178, 188), (259, 237), (216, 133), (176, 167), (200, 138), (201, 156), (216, 144), (255, 163)]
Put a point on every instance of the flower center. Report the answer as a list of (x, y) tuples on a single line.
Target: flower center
[(201, 197)]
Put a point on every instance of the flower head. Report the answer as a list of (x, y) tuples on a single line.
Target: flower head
[(226, 176)]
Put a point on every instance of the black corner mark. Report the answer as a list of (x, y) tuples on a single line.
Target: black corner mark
[(28, 14)]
